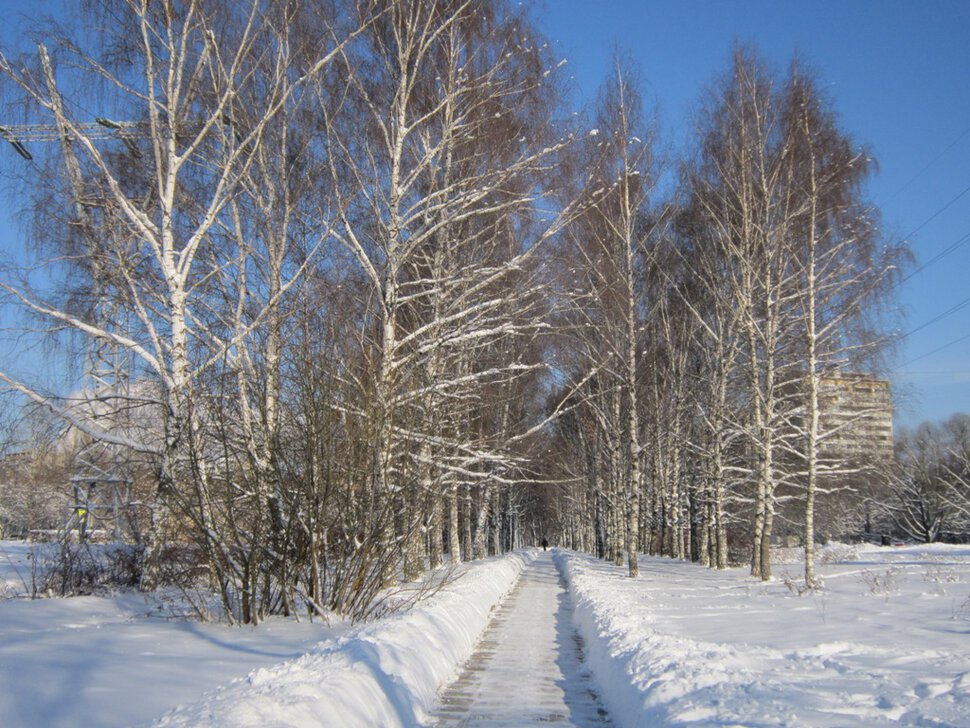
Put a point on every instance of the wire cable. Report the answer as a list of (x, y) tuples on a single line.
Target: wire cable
[(936, 350), (929, 164), (949, 312), (939, 256), (936, 214)]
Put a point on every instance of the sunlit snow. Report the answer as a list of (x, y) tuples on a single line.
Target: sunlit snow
[(882, 643)]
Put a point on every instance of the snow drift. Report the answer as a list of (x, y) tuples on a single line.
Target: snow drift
[(385, 673), (882, 644)]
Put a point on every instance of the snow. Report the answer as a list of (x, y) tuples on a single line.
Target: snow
[(124, 661), (95, 662), (884, 643), (386, 673), (527, 668)]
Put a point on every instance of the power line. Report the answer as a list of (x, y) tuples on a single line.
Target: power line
[(936, 214), (937, 349), (17, 134), (929, 164), (940, 372), (939, 256), (949, 312)]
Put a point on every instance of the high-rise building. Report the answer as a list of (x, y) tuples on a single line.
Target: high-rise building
[(856, 418)]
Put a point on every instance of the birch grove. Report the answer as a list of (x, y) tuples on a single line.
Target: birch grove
[(353, 297), (764, 279)]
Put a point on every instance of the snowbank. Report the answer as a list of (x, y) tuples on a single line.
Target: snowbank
[(383, 674), (121, 659), (883, 644), (612, 651)]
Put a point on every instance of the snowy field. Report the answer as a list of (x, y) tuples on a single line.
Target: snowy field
[(121, 661), (887, 642), (95, 662)]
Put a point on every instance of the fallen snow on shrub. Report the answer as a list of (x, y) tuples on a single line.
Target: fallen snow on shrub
[(884, 643), (382, 674)]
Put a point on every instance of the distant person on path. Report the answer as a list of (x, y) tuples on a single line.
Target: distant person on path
[(545, 544)]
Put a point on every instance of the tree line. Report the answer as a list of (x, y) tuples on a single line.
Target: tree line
[(715, 320), (352, 291), (930, 490)]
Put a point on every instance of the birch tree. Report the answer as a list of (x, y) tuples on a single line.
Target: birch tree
[(742, 190), (146, 210), (699, 281), (929, 493), (450, 132), (845, 274), (609, 243)]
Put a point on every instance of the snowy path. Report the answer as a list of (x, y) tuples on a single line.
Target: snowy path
[(527, 667)]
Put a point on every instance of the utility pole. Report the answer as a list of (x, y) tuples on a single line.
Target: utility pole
[(101, 128)]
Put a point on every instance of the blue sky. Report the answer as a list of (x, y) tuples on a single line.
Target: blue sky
[(899, 76)]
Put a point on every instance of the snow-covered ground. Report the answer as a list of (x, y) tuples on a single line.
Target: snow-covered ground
[(91, 662), (106, 662), (526, 669), (381, 675), (887, 642)]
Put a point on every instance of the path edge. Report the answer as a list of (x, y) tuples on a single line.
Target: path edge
[(384, 674), (608, 658)]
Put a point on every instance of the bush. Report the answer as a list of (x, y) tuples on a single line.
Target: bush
[(79, 569), (838, 553)]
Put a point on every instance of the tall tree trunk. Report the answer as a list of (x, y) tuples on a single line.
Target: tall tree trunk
[(466, 524), (454, 537), (435, 544)]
